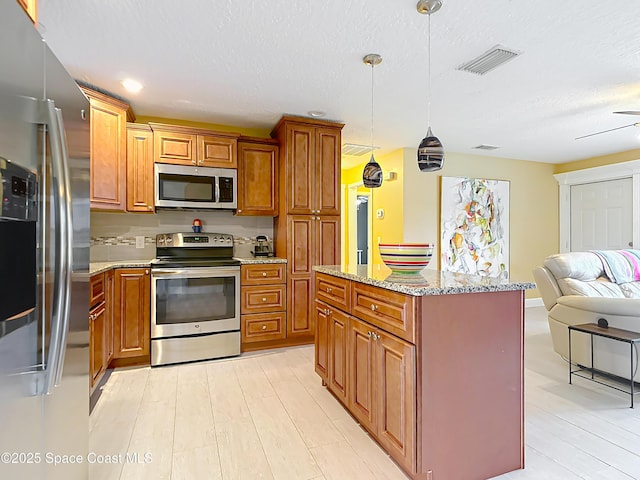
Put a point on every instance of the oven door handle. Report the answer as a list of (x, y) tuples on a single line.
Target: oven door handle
[(195, 272)]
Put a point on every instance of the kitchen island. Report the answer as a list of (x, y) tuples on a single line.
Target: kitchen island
[(430, 364)]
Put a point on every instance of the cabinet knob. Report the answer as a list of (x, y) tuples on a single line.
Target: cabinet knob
[(264, 299), (327, 311), (264, 327), (369, 334), (264, 274), (239, 211), (375, 336), (374, 307), (146, 272), (193, 161), (328, 289), (149, 207)]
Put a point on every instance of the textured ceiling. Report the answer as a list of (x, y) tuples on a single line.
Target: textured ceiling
[(245, 63)]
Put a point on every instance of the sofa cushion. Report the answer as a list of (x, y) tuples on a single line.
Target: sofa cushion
[(585, 266), (630, 289), (600, 287)]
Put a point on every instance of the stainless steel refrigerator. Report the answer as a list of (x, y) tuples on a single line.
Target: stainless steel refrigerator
[(44, 255)]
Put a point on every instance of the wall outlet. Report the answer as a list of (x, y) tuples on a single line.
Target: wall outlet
[(139, 241)]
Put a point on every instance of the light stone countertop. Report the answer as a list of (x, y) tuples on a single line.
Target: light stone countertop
[(99, 267), (258, 260), (426, 282)]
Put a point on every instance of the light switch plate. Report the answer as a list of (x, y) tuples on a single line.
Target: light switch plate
[(140, 241)]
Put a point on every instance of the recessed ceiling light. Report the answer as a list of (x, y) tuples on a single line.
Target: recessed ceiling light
[(132, 85), (316, 113)]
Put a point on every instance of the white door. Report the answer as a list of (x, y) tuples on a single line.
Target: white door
[(601, 215)]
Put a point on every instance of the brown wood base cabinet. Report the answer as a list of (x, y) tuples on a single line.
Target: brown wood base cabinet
[(263, 302), (132, 328), (100, 326), (437, 380)]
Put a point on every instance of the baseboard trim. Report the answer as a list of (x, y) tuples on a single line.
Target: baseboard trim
[(533, 302)]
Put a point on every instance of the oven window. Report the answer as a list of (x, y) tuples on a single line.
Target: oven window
[(187, 300), (186, 187)]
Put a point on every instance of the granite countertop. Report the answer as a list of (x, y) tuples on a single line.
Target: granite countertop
[(427, 282), (99, 267), (258, 260)]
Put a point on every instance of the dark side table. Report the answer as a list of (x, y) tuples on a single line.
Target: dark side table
[(632, 338)]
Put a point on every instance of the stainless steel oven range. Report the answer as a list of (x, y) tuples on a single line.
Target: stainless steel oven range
[(195, 298)]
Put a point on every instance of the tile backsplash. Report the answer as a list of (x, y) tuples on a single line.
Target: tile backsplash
[(113, 235)]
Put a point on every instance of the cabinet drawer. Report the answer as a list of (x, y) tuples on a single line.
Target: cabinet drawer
[(263, 274), (391, 311), (334, 291), (262, 299), (260, 327), (96, 289)]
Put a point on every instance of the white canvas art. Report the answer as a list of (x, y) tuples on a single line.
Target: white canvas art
[(474, 226)]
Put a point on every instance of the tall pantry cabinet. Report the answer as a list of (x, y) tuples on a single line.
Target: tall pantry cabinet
[(307, 230)]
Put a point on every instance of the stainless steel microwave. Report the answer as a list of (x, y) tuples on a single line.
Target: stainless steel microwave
[(182, 186)]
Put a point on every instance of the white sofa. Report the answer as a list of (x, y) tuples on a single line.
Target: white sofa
[(575, 289)]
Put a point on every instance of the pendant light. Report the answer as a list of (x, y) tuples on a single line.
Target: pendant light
[(372, 173), (430, 151)]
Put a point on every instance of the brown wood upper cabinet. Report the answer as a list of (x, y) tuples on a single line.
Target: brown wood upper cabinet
[(140, 195), (311, 153), (31, 7), (108, 151), (182, 145), (257, 177)]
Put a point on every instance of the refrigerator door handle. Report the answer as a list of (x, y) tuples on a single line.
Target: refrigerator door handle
[(67, 244), (62, 275)]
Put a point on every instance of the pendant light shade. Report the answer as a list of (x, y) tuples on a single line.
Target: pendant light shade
[(372, 173), (430, 150)]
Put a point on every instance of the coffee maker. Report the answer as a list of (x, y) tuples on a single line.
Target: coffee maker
[(262, 248)]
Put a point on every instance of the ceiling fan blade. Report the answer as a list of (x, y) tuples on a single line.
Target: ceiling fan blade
[(610, 130), (629, 112)]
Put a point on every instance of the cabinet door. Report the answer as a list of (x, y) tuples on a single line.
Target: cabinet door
[(97, 343), (300, 319), (327, 174), (301, 244), (257, 179), (109, 288), (322, 341), (361, 387), (214, 151), (300, 153), (174, 147), (338, 340), (396, 394), (108, 150), (140, 185), (132, 303), (327, 240)]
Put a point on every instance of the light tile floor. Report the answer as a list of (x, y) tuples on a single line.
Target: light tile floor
[(266, 416)]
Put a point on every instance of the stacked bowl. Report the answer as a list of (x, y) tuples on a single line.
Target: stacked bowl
[(406, 258)]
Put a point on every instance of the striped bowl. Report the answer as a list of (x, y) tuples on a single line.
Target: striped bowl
[(406, 257)]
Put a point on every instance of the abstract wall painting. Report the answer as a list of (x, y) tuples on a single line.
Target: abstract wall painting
[(474, 226)]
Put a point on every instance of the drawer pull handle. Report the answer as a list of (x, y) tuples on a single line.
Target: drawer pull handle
[(264, 299), (264, 274), (264, 327), (374, 307), (327, 311)]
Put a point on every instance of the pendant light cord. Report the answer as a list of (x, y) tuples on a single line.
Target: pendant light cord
[(429, 72), (371, 108)]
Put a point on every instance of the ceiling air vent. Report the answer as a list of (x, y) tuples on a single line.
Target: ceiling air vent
[(489, 60), (356, 150), (486, 147)]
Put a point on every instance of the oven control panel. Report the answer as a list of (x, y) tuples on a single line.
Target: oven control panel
[(186, 240)]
